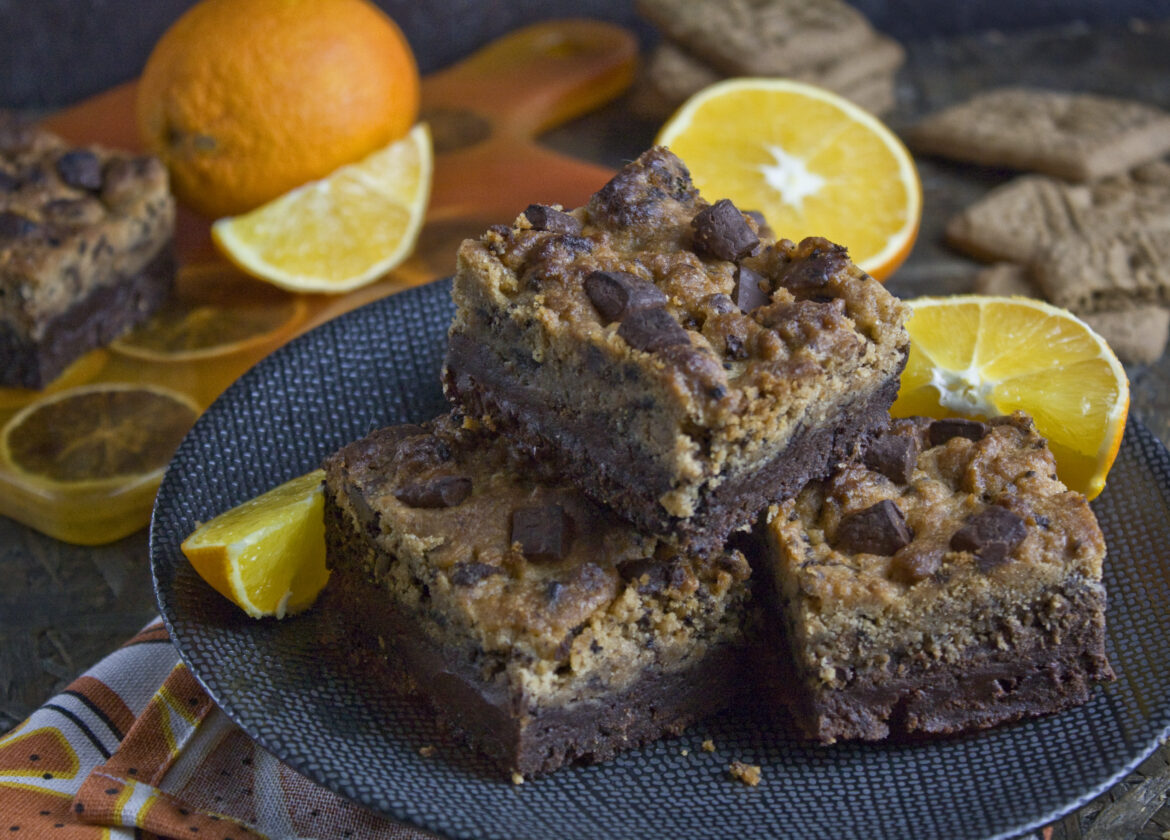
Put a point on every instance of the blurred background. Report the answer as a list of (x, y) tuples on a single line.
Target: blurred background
[(53, 52)]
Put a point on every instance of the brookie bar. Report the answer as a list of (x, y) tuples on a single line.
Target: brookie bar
[(85, 249), (540, 627), (946, 582), (666, 356)]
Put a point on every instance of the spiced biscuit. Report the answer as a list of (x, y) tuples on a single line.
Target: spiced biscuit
[(1106, 271), (1137, 336), (760, 37), (1074, 136), (1019, 219), (671, 75)]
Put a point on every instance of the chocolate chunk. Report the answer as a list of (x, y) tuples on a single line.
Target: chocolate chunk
[(749, 289), (722, 232), (734, 347), (943, 430), (879, 529), (992, 535), (913, 564), (80, 169), (894, 456), (542, 532), (469, 574), (652, 330), (440, 492), (615, 294), (543, 217), (16, 226), (805, 274)]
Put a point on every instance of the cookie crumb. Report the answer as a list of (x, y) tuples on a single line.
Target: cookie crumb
[(684, 751), (517, 778), (427, 751), (749, 774), (708, 746)]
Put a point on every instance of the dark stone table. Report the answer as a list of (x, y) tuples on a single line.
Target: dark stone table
[(62, 607)]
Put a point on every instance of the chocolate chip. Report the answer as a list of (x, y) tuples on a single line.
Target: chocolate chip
[(16, 226), (722, 232), (992, 535), (81, 169), (749, 292), (542, 532), (543, 217), (652, 330), (808, 273), (913, 564), (879, 529), (441, 492), (471, 573), (894, 456), (943, 430), (615, 294), (734, 347)]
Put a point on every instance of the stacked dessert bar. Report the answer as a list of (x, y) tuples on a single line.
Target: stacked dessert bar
[(560, 564)]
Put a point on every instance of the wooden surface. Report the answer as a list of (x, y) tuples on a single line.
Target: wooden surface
[(62, 607)]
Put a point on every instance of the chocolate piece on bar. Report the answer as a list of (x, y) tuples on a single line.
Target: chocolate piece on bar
[(81, 169), (943, 430), (542, 532), (652, 330), (992, 535), (615, 294), (894, 456), (721, 231), (543, 217), (440, 492), (749, 289), (878, 529)]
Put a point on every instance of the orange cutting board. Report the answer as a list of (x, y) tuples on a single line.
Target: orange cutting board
[(485, 115)]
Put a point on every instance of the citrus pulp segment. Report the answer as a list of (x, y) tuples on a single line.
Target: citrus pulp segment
[(812, 162), (341, 232), (980, 356), (266, 555)]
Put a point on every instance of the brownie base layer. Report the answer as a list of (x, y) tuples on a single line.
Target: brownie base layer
[(584, 452), (515, 734), (92, 321), (989, 686)]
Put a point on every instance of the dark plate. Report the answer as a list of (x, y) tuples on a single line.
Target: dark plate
[(288, 686)]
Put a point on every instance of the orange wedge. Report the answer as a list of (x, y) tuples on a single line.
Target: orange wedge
[(266, 555), (812, 162), (342, 232), (978, 356)]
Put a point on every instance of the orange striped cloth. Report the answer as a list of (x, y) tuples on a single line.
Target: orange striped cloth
[(135, 748)]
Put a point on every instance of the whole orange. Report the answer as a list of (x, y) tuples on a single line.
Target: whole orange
[(244, 100)]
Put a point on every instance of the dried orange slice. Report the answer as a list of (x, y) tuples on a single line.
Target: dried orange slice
[(339, 233), (83, 464), (216, 310), (978, 356), (811, 161), (266, 555)]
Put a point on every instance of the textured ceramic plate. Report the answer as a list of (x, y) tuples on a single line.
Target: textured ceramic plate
[(287, 683)]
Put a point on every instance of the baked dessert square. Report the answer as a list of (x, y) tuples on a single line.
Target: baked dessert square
[(946, 582), (85, 249), (667, 356), (541, 628)]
